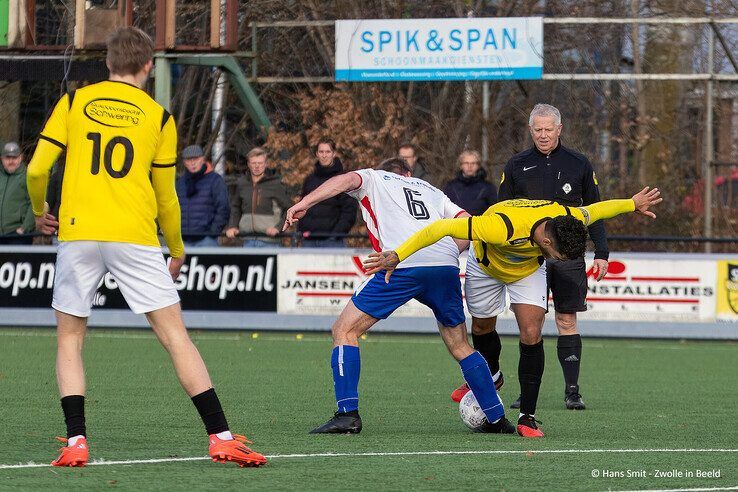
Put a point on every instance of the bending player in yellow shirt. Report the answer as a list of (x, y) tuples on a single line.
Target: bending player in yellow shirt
[(118, 181), (509, 243)]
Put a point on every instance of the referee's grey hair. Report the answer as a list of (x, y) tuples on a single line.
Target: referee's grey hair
[(544, 110)]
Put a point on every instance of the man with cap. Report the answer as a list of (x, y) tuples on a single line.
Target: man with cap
[(16, 216), (203, 199)]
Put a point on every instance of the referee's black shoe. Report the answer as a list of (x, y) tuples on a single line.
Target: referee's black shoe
[(502, 426), (341, 423), (516, 403), (574, 401)]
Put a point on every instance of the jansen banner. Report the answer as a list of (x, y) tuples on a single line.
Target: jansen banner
[(206, 282), (439, 49)]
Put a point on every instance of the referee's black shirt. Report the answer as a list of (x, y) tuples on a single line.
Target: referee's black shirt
[(563, 176)]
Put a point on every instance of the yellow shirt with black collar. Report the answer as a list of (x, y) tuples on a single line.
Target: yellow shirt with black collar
[(120, 170), (503, 237)]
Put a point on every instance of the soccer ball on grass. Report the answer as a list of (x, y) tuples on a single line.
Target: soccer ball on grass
[(471, 413)]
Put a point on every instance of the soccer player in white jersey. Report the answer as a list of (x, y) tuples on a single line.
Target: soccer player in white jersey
[(394, 206)]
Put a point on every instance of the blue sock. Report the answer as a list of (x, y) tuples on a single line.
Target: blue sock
[(477, 375), (346, 365)]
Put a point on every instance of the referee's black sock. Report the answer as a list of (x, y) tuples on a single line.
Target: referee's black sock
[(74, 415), (569, 348), (211, 413), (490, 347), (530, 371)]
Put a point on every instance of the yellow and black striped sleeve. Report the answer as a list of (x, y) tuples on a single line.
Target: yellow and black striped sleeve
[(487, 228), (51, 143), (163, 176)]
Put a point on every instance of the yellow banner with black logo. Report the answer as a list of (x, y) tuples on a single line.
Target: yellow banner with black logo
[(727, 290)]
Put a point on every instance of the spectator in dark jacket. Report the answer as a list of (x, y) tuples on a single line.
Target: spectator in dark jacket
[(259, 203), (203, 199), (409, 152), (332, 216), (16, 216), (470, 189)]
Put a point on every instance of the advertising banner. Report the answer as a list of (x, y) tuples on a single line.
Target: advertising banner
[(727, 290), (439, 49), (648, 289), (322, 284), (207, 282)]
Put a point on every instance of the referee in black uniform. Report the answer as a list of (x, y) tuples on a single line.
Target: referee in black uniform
[(550, 171)]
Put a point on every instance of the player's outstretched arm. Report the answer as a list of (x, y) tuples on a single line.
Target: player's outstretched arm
[(640, 203), (337, 184)]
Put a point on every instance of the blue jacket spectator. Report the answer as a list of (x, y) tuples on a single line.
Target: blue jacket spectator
[(203, 198), (470, 189), (334, 215)]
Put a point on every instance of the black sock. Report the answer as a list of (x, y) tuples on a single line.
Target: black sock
[(530, 371), (74, 415), (569, 348), (489, 346), (211, 413)]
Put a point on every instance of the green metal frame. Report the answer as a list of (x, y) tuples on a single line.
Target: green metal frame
[(4, 19), (227, 63)]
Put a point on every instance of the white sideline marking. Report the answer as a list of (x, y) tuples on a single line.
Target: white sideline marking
[(682, 490), (245, 335), (100, 462)]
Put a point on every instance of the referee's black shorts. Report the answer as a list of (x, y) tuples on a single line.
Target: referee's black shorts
[(567, 282)]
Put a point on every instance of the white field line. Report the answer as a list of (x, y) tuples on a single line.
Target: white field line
[(241, 336), (682, 490), (101, 462)]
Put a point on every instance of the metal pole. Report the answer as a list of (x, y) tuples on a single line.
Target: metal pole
[(485, 123), (708, 158), (218, 123), (162, 81)]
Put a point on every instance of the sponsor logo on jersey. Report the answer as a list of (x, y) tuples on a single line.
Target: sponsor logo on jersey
[(566, 188), (114, 113)]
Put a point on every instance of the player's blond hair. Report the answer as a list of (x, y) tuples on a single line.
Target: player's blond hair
[(129, 50)]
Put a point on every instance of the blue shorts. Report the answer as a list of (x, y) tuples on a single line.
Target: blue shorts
[(438, 287)]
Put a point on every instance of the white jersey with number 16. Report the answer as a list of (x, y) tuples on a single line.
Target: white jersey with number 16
[(395, 207)]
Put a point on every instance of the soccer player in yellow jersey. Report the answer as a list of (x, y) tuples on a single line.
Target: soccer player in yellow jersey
[(118, 181), (510, 242)]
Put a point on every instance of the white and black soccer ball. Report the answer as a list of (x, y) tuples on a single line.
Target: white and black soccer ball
[(471, 413)]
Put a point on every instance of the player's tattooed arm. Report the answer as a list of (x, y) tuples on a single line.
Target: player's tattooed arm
[(385, 260), (334, 186)]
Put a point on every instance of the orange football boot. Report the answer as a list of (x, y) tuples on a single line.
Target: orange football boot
[(527, 427), (234, 450), (76, 455), (459, 392)]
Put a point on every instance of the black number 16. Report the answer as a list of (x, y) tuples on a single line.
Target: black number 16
[(108, 157)]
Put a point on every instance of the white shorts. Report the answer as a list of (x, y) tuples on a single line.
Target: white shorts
[(485, 296), (140, 272)]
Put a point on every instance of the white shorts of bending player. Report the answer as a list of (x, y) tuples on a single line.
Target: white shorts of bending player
[(140, 272), (485, 296)]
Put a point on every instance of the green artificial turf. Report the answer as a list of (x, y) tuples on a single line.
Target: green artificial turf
[(640, 395)]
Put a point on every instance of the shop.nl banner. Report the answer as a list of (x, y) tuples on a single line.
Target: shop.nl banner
[(439, 49)]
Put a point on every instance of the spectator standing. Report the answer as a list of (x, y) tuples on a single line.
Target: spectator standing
[(335, 215), (409, 153), (470, 189), (203, 199), (259, 203), (16, 215)]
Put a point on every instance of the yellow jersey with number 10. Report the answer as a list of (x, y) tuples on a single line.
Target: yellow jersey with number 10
[(119, 177)]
